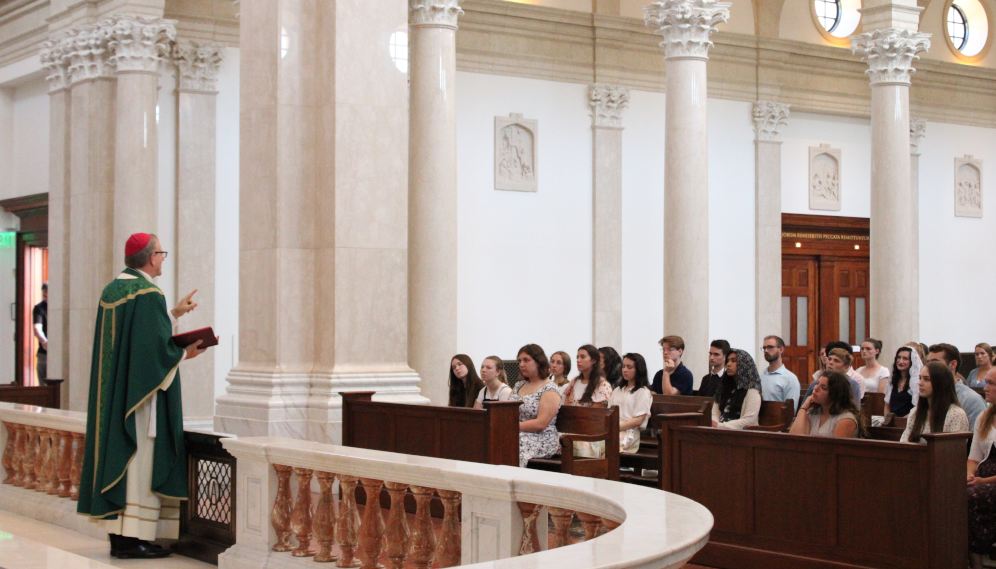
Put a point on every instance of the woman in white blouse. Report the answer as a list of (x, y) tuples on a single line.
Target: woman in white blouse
[(633, 398), (738, 400), (937, 410), (982, 479), (495, 382), (875, 375)]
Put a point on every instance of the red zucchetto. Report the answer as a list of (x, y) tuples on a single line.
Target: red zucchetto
[(136, 243)]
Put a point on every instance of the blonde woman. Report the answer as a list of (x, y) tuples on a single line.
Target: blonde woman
[(560, 368), (495, 382)]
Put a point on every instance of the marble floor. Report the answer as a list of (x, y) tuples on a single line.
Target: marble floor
[(30, 544)]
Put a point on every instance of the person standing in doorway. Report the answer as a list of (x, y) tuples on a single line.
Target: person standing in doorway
[(39, 315)]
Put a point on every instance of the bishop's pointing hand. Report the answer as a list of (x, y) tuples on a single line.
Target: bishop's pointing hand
[(185, 305)]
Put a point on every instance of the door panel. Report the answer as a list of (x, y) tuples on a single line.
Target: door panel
[(799, 325)]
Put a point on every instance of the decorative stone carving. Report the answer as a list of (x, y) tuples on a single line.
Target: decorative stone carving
[(324, 519), (824, 178), (890, 54), (769, 118), (918, 129), (236, 4), (607, 104), (54, 57), (686, 25), (439, 13), (198, 65), (140, 43), (280, 516), (516, 145), (371, 538), (530, 536), (968, 187), (89, 56), (397, 535)]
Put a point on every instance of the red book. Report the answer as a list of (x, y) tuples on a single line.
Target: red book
[(205, 334)]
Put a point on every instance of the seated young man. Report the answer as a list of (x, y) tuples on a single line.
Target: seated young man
[(675, 378)]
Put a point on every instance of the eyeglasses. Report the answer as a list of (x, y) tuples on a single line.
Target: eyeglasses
[(163, 253), (766, 348)]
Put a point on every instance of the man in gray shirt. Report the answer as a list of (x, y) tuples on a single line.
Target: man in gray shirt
[(970, 401)]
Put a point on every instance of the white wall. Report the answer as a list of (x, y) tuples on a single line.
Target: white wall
[(166, 125), (31, 134)]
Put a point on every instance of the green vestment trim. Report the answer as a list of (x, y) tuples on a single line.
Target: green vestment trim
[(133, 357)]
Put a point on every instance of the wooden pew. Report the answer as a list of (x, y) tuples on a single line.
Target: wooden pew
[(783, 501), (775, 417), (40, 396), (648, 457), (873, 404), (585, 424)]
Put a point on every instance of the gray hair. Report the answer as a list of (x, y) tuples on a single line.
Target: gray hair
[(140, 259)]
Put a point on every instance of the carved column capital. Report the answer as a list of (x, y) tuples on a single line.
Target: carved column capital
[(918, 129), (54, 55), (769, 118), (890, 54), (198, 65), (607, 104), (434, 13), (89, 57), (686, 25), (140, 43), (236, 4)]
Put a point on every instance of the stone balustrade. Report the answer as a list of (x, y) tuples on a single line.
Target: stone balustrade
[(494, 514), (43, 449)]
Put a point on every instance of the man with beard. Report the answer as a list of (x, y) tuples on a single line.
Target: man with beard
[(777, 382)]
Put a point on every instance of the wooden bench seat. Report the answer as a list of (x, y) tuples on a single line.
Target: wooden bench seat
[(585, 424), (775, 417)]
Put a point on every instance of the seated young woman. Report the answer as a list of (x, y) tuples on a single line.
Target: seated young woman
[(611, 365), (588, 389), (937, 410), (560, 368), (464, 383), (633, 398), (982, 479), (739, 400), (899, 393), (830, 411), (495, 382), (874, 375), (538, 436)]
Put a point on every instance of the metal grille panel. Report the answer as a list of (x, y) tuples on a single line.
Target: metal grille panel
[(214, 491)]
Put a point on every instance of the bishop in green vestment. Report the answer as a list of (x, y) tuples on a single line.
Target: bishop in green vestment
[(135, 465)]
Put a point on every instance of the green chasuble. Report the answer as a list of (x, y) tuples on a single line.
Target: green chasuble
[(134, 357)]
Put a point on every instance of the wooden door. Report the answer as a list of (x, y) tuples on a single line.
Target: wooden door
[(844, 311), (800, 315)]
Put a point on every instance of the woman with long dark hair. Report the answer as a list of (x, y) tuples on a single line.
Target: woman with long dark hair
[(982, 479), (738, 401), (611, 365), (589, 388), (937, 410), (830, 411), (464, 382), (899, 393), (538, 436), (634, 399)]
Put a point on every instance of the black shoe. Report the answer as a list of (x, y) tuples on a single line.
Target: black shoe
[(144, 550)]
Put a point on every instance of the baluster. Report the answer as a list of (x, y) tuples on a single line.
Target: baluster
[(65, 463), (448, 553), (348, 524), (280, 516), (52, 466), (79, 445), (8, 452), (30, 455), (324, 525), (423, 548), (530, 537), (41, 461), (372, 526), (301, 516), (561, 526), (18, 459), (591, 525), (396, 534), (609, 525)]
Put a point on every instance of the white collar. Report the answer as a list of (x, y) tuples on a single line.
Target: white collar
[(144, 274)]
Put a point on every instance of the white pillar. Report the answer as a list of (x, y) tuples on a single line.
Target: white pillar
[(432, 194), (607, 105), (54, 56), (918, 129), (195, 222), (769, 118), (686, 26), (890, 52), (138, 45)]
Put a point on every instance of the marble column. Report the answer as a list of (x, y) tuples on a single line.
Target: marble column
[(138, 45), (432, 193), (769, 118), (91, 192), (607, 105), (918, 129), (323, 299), (55, 59), (686, 26), (196, 135), (890, 50)]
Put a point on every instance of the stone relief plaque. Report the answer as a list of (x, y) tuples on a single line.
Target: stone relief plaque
[(824, 178), (968, 187), (516, 144)]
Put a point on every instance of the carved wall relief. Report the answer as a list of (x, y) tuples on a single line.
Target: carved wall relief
[(516, 144), (968, 187), (824, 178)]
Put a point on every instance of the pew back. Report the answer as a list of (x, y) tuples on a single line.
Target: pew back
[(489, 436), (783, 500), (873, 404), (586, 424), (775, 416)]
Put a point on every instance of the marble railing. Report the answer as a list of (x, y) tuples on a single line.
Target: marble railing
[(43, 449), (495, 514)]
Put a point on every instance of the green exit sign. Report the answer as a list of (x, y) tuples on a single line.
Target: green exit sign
[(8, 239)]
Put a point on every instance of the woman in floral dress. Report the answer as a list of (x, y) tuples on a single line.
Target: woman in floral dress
[(540, 398)]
